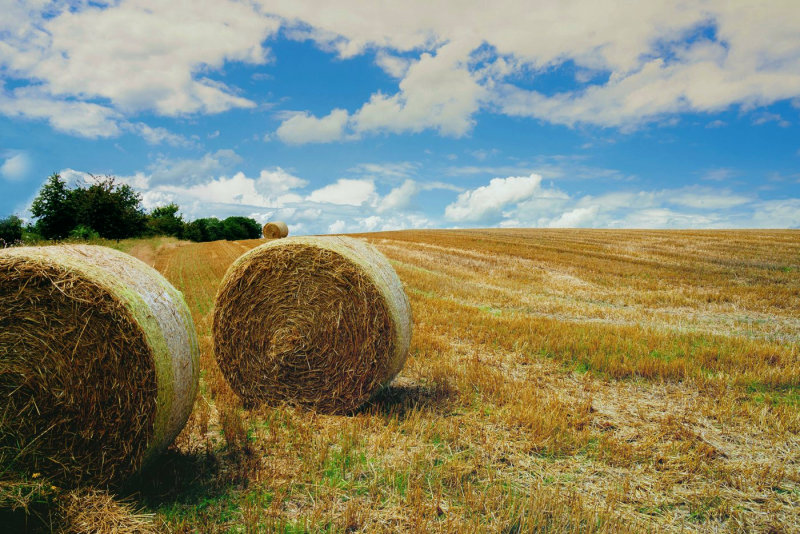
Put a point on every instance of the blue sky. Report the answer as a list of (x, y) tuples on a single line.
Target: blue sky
[(365, 116)]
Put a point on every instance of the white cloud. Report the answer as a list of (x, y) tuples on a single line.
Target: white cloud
[(272, 189), (152, 53), (706, 198), (237, 189), (634, 61), (765, 117), (524, 202), (189, 171), (386, 170), (575, 218), (400, 197), (337, 227), (777, 213), (393, 65), (489, 200), (345, 192), (437, 92), (159, 135), (666, 218), (279, 181), (206, 187), (719, 175), (371, 223), (84, 119), (16, 166), (73, 177), (305, 128)]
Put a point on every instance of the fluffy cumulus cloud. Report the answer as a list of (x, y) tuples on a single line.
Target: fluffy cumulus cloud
[(488, 201), (337, 227), (303, 128), (399, 197), (631, 62), (436, 92), (214, 186), (575, 218), (139, 36), (146, 64), (515, 201), (346, 192)]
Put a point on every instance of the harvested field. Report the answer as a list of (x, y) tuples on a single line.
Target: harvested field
[(558, 380)]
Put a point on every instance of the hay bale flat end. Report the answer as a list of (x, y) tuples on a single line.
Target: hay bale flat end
[(317, 321)]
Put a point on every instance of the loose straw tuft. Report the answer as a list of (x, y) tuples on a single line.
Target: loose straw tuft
[(318, 321)]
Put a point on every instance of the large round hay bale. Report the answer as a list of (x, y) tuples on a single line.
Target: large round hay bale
[(98, 363), (275, 230), (317, 321)]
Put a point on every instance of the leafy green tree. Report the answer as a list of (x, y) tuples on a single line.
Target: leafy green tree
[(10, 230), (165, 220), (212, 229), (54, 209), (112, 210), (196, 230), (241, 228)]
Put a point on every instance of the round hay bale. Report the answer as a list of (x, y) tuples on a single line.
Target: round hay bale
[(98, 364), (317, 321), (275, 230)]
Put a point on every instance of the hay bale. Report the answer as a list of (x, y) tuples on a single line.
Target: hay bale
[(317, 321), (98, 364), (275, 230)]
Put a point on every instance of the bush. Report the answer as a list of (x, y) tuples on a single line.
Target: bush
[(109, 209), (10, 230), (165, 220), (212, 229), (84, 233)]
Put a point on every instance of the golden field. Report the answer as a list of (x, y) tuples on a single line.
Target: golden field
[(558, 381)]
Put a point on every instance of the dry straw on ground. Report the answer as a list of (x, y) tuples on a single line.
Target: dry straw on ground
[(275, 230), (98, 364), (91, 512), (318, 321)]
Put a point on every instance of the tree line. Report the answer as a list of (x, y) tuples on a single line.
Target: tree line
[(107, 209)]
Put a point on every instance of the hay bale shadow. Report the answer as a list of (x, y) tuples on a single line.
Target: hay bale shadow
[(404, 396), (175, 477), (35, 519)]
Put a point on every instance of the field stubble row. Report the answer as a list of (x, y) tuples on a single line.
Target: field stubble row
[(561, 380)]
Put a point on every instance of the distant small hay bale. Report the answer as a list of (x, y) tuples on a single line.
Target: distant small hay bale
[(275, 230), (98, 364), (317, 321)]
